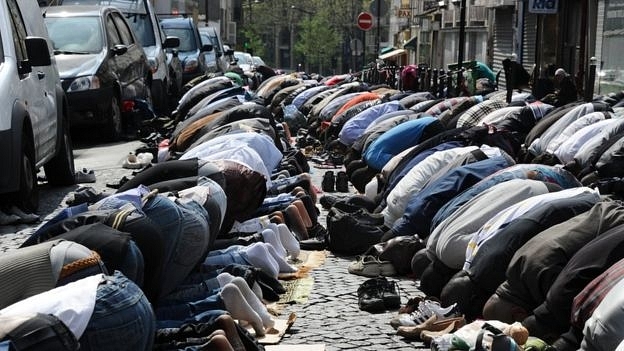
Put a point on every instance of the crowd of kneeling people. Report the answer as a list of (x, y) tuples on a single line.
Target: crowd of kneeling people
[(513, 210)]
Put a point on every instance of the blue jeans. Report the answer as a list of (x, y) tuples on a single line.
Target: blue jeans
[(186, 234), (197, 286), (201, 311), (122, 319), (220, 258), (274, 203)]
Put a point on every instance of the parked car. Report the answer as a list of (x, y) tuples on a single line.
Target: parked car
[(212, 64), (34, 128), (140, 14), (258, 61), (103, 66), (190, 49), (223, 53), (243, 60)]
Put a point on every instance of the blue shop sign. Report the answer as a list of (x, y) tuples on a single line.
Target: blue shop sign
[(543, 6)]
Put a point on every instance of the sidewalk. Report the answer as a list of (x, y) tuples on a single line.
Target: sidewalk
[(331, 315)]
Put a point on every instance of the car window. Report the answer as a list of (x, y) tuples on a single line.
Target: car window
[(65, 38), (19, 31), (187, 40), (142, 27), (205, 39), (111, 29), (124, 30)]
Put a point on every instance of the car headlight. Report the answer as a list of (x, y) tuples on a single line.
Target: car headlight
[(190, 65), (153, 64), (84, 83)]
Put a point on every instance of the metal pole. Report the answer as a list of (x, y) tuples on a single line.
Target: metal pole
[(589, 90), (378, 37), (462, 40)]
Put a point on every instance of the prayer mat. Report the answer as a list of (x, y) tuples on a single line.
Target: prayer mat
[(275, 334)]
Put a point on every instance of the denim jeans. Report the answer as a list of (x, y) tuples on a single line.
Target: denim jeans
[(220, 258), (287, 184), (186, 234), (122, 319), (191, 291), (200, 311), (274, 203)]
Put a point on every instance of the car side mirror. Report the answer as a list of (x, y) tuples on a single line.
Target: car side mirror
[(206, 47), (120, 49), (38, 51), (171, 42)]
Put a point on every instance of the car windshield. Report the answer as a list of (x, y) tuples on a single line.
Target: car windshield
[(205, 39), (67, 40), (243, 58), (257, 61), (187, 41), (142, 26)]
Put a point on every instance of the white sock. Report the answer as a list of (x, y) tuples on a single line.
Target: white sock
[(284, 266), (271, 237), (259, 256), (239, 308), (250, 297), (288, 239)]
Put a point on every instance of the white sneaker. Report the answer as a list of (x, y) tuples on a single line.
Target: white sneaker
[(426, 309)]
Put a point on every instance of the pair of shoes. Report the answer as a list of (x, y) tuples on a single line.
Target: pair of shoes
[(85, 176), (378, 294), (342, 182), (426, 310), (371, 266), (329, 182), (432, 328)]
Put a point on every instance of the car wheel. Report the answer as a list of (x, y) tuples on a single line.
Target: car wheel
[(115, 125), (27, 197), (61, 170)]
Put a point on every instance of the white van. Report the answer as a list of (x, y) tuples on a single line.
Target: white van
[(34, 128)]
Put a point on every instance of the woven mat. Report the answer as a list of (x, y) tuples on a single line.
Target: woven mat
[(299, 284)]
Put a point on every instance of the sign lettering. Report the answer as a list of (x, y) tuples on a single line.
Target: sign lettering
[(543, 6)]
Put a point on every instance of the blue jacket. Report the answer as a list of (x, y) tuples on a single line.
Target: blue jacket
[(395, 140)]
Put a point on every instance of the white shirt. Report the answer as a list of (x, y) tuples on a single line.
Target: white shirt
[(448, 241), (72, 303), (415, 179)]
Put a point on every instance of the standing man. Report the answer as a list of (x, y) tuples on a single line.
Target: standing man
[(565, 88)]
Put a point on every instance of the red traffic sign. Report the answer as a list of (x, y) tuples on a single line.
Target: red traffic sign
[(365, 21)]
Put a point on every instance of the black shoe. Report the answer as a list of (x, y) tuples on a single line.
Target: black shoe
[(370, 297), (391, 296), (329, 181), (378, 294), (317, 241), (317, 238), (342, 182)]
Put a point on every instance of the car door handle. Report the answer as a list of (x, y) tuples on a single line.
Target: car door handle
[(40, 75)]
